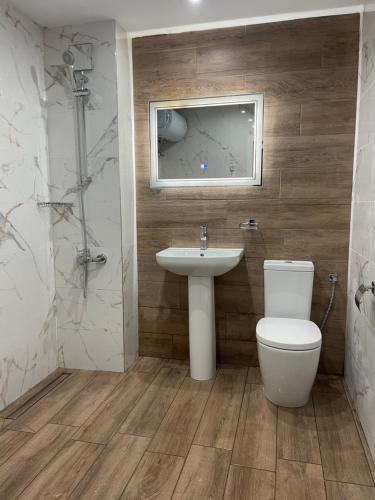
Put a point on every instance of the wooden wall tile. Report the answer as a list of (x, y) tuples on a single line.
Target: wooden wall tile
[(306, 85), (333, 117), (307, 183), (241, 326), (156, 344), (315, 151), (158, 64), (307, 71), (237, 352), (162, 320)]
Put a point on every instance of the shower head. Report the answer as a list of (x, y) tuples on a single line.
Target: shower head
[(68, 58)]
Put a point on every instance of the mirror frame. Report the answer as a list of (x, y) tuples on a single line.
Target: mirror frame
[(255, 180)]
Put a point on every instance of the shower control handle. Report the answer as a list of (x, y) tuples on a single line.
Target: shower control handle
[(85, 257), (100, 258)]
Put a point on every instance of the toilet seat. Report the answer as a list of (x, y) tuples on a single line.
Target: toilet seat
[(289, 334)]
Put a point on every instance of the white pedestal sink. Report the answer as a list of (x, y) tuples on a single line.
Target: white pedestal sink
[(200, 266)]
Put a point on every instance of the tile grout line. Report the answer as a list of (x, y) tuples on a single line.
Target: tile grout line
[(359, 428), (105, 445), (49, 462), (235, 434), (147, 450), (276, 457), (196, 430), (116, 432)]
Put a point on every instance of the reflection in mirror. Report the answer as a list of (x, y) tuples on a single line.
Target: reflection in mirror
[(203, 142)]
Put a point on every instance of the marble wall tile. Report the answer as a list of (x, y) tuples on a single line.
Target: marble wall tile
[(90, 331), (128, 198), (89, 351), (28, 348), (360, 338)]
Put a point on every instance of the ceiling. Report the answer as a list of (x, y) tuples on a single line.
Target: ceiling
[(140, 15)]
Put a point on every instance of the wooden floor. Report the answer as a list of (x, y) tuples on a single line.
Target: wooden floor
[(155, 433)]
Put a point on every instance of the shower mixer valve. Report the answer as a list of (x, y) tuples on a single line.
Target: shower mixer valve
[(85, 257)]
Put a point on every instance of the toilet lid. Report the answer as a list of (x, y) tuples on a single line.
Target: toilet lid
[(288, 333)]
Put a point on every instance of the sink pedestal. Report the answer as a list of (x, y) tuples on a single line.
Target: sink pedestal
[(202, 338)]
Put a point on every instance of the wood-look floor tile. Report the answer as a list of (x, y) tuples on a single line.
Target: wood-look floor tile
[(343, 457), (147, 415), (299, 481), (177, 430), (254, 376), (45, 409), (59, 478), (249, 484), (328, 383), (111, 472), (4, 422), (147, 365), (297, 437), (204, 474), (155, 477), (87, 401), (105, 421), (220, 418), (346, 491), (10, 441), (255, 444), (22, 467)]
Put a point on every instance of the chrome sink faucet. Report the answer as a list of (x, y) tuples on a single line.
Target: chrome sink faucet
[(203, 237)]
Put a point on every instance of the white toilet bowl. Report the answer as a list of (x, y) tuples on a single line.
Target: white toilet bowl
[(288, 351)]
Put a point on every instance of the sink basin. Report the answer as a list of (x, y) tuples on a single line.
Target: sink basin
[(201, 266), (196, 262)]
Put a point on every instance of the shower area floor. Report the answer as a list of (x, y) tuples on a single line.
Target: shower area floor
[(153, 432)]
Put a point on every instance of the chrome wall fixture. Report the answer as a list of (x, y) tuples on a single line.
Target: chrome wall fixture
[(362, 289), (79, 60), (203, 237), (249, 224), (54, 204)]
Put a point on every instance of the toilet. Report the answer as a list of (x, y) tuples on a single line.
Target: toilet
[(288, 342)]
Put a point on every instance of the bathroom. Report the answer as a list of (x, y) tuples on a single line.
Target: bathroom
[(187, 250)]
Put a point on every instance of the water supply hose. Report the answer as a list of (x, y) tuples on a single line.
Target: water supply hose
[(332, 279)]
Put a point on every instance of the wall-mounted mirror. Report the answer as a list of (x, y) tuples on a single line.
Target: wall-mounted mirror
[(214, 141)]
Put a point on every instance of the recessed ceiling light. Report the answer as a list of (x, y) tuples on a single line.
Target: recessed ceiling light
[(195, 1), (243, 111)]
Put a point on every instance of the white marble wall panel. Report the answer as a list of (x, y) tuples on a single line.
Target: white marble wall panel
[(90, 331), (360, 339), (28, 348), (128, 202)]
